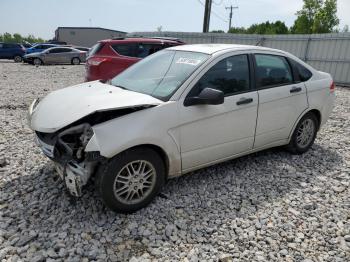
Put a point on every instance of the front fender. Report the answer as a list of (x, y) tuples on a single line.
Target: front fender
[(145, 127)]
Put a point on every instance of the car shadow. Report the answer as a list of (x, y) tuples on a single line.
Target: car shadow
[(237, 188)]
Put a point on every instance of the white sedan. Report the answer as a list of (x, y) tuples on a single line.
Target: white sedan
[(179, 110)]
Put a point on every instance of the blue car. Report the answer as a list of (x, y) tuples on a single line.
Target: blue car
[(12, 51), (39, 48)]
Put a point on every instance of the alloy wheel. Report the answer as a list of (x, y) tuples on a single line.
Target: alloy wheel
[(76, 61), (305, 133), (37, 61), (134, 182), (18, 59)]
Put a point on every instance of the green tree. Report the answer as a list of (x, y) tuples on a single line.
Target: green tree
[(7, 37), (217, 31), (268, 28), (316, 16), (237, 30), (17, 38)]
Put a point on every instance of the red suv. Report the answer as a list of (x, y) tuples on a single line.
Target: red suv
[(110, 57)]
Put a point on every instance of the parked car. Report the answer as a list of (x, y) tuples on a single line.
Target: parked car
[(57, 55), (37, 48), (82, 48), (56, 42), (26, 45), (12, 51), (176, 111), (110, 57)]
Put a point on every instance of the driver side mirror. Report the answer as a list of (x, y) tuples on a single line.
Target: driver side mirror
[(208, 96)]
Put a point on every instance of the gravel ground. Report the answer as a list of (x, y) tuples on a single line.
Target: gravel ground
[(268, 206)]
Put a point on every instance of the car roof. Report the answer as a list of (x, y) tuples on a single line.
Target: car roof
[(10, 43), (55, 47), (140, 39), (213, 48), (44, 44)]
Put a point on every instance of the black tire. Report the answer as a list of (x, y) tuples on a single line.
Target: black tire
[(37, 61), (294, 147), (107, 174), (75, 61), (17, 59)]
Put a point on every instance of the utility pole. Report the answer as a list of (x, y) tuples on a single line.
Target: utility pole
[(206, 20), (231, 7)]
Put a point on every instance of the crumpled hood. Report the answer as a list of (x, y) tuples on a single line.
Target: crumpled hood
[(65, 106)]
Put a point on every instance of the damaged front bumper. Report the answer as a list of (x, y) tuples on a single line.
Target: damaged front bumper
[(75, 176), (72, 163)]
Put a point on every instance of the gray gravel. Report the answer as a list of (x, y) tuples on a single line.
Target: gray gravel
[(269, 206)]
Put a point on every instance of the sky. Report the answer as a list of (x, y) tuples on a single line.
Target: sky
[(42, 17)]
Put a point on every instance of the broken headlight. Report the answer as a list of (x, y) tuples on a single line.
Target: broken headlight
[(72, 141)]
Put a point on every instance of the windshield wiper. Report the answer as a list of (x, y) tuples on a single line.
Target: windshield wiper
[(122, 87)]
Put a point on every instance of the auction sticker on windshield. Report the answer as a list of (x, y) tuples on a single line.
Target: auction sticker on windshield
[(188, 61)]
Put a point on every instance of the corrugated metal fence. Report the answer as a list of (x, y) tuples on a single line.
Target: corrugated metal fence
[(325, 52)]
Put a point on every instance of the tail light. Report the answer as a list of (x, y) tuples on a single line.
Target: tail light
[(332, 87), (97, 61)]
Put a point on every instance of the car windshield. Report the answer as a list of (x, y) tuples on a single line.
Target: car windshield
[(160, 74)]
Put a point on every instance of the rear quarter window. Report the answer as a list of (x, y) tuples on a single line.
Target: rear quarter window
[(303, 73), (95, 49)]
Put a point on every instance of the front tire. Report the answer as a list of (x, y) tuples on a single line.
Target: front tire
[(18, 59), (37, 61), (75, 61), (131, 180), (304, 134)]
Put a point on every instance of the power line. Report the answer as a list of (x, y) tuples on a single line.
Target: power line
[(214, 13), (218, 3)]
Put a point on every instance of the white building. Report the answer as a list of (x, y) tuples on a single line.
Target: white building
[(85, 36)]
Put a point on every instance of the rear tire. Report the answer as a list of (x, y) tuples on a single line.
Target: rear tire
[(131, 180), (75, 61), (304, 134), (37, 61), (18, 59)]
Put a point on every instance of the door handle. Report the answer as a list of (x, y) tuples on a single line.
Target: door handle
[(295, 89), (244, 100)]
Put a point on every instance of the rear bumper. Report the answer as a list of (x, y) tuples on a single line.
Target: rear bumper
[(92, 73), (327, 108)]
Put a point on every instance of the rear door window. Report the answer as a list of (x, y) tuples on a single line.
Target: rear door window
[(8, 46), (55, 51), (45, 47), (125, 49), (272, 70), (65, 50), (144, 50)]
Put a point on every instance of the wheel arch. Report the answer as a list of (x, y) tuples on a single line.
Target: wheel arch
[(74, 58), (314, 111), (160, 151), (317, 113), (42, 61)]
